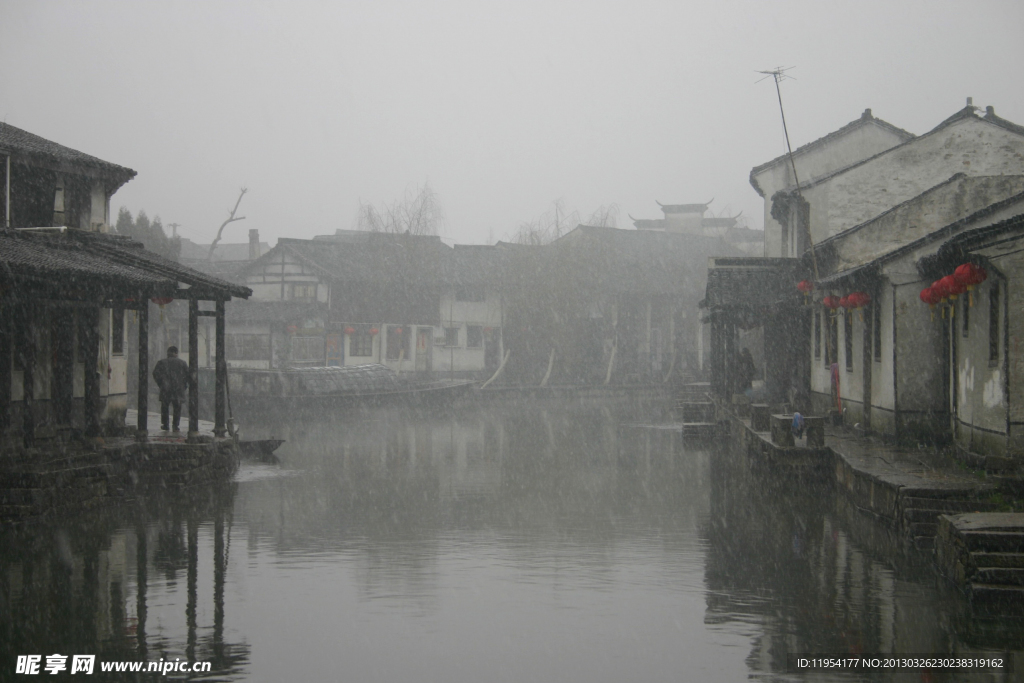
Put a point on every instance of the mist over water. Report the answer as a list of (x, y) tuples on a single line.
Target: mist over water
[(568, 541)]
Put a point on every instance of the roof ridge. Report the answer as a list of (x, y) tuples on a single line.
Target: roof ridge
[(862, 120), (961, 115), (30, 143)]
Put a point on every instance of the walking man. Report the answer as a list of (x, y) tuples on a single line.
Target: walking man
[(171, 375)]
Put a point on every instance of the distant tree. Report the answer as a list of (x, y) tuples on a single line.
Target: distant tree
[(150, 233), (421, 214), (556, 221)]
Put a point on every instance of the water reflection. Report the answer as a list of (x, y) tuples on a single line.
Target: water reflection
[(570, 542), (109, 583)]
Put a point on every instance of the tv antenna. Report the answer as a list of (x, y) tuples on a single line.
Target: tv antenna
[(778, 74)]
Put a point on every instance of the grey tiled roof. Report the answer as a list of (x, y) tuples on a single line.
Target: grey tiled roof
[(16, 140), (90, 257)]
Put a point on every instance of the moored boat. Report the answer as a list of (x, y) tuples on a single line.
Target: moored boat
[(323, 388)]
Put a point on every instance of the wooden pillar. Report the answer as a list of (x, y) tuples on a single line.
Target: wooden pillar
[(6, 376), (90, 318), (193, 368), (219, 428), (143, 399), (28, 377)]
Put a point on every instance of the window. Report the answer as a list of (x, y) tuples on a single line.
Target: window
[(360, 343), (474, 336), (246, 347), (848, 340), (451, 336), (817, 335), (304, 291), (308, 350), (117, 331), (470, 293), (993, 324), (876, 329)]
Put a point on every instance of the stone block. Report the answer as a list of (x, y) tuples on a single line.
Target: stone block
[(782, 431), (759, 417), (741, 405), (814, 428)]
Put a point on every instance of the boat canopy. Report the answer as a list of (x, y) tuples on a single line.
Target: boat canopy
[(354, 379)]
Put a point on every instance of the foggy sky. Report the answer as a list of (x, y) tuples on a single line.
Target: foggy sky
[(502, 107)]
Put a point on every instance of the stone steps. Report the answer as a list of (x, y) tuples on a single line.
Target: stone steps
[(1007, 576), (1008, 560), (946, 505), (983, 554)]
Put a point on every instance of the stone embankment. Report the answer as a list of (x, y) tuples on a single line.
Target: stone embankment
[(919, 502), (63, 477)]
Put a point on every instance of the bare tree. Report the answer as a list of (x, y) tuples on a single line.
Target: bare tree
[(556, 221), (231, 219), (421, 214)]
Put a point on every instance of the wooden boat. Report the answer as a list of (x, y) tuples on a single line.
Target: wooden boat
[(329, 388), (261, 450)]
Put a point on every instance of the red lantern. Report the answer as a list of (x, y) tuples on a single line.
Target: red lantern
[(939, 288), (162, 300), (970, 275), (931, 297), (292, 329), (374, 331), (831, 302), (350, 330), (845, 302), (805, 286), (953, 287), (398, 330)]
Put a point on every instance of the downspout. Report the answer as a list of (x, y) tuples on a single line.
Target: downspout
[(7, 191)]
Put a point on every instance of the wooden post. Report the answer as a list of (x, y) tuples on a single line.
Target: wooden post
[(6, 376), (143, 400), (92, 377), (28, 377), (219, 428), (193, 368)]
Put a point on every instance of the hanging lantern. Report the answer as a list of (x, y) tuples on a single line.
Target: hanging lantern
[(845, 302), (953, 287), (805, 286), (831, 302), (350, 330), (398, 330), (292, 329), (162, 301), (374, 331), (970, 275)]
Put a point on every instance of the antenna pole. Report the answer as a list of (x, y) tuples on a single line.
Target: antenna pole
[(778, 74)]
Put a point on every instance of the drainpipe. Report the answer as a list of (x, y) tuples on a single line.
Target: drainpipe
[(7, 191)]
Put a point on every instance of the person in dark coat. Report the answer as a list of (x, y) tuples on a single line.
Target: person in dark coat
[(171, 375)]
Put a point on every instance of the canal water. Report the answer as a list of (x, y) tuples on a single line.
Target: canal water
[(511, 541)]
